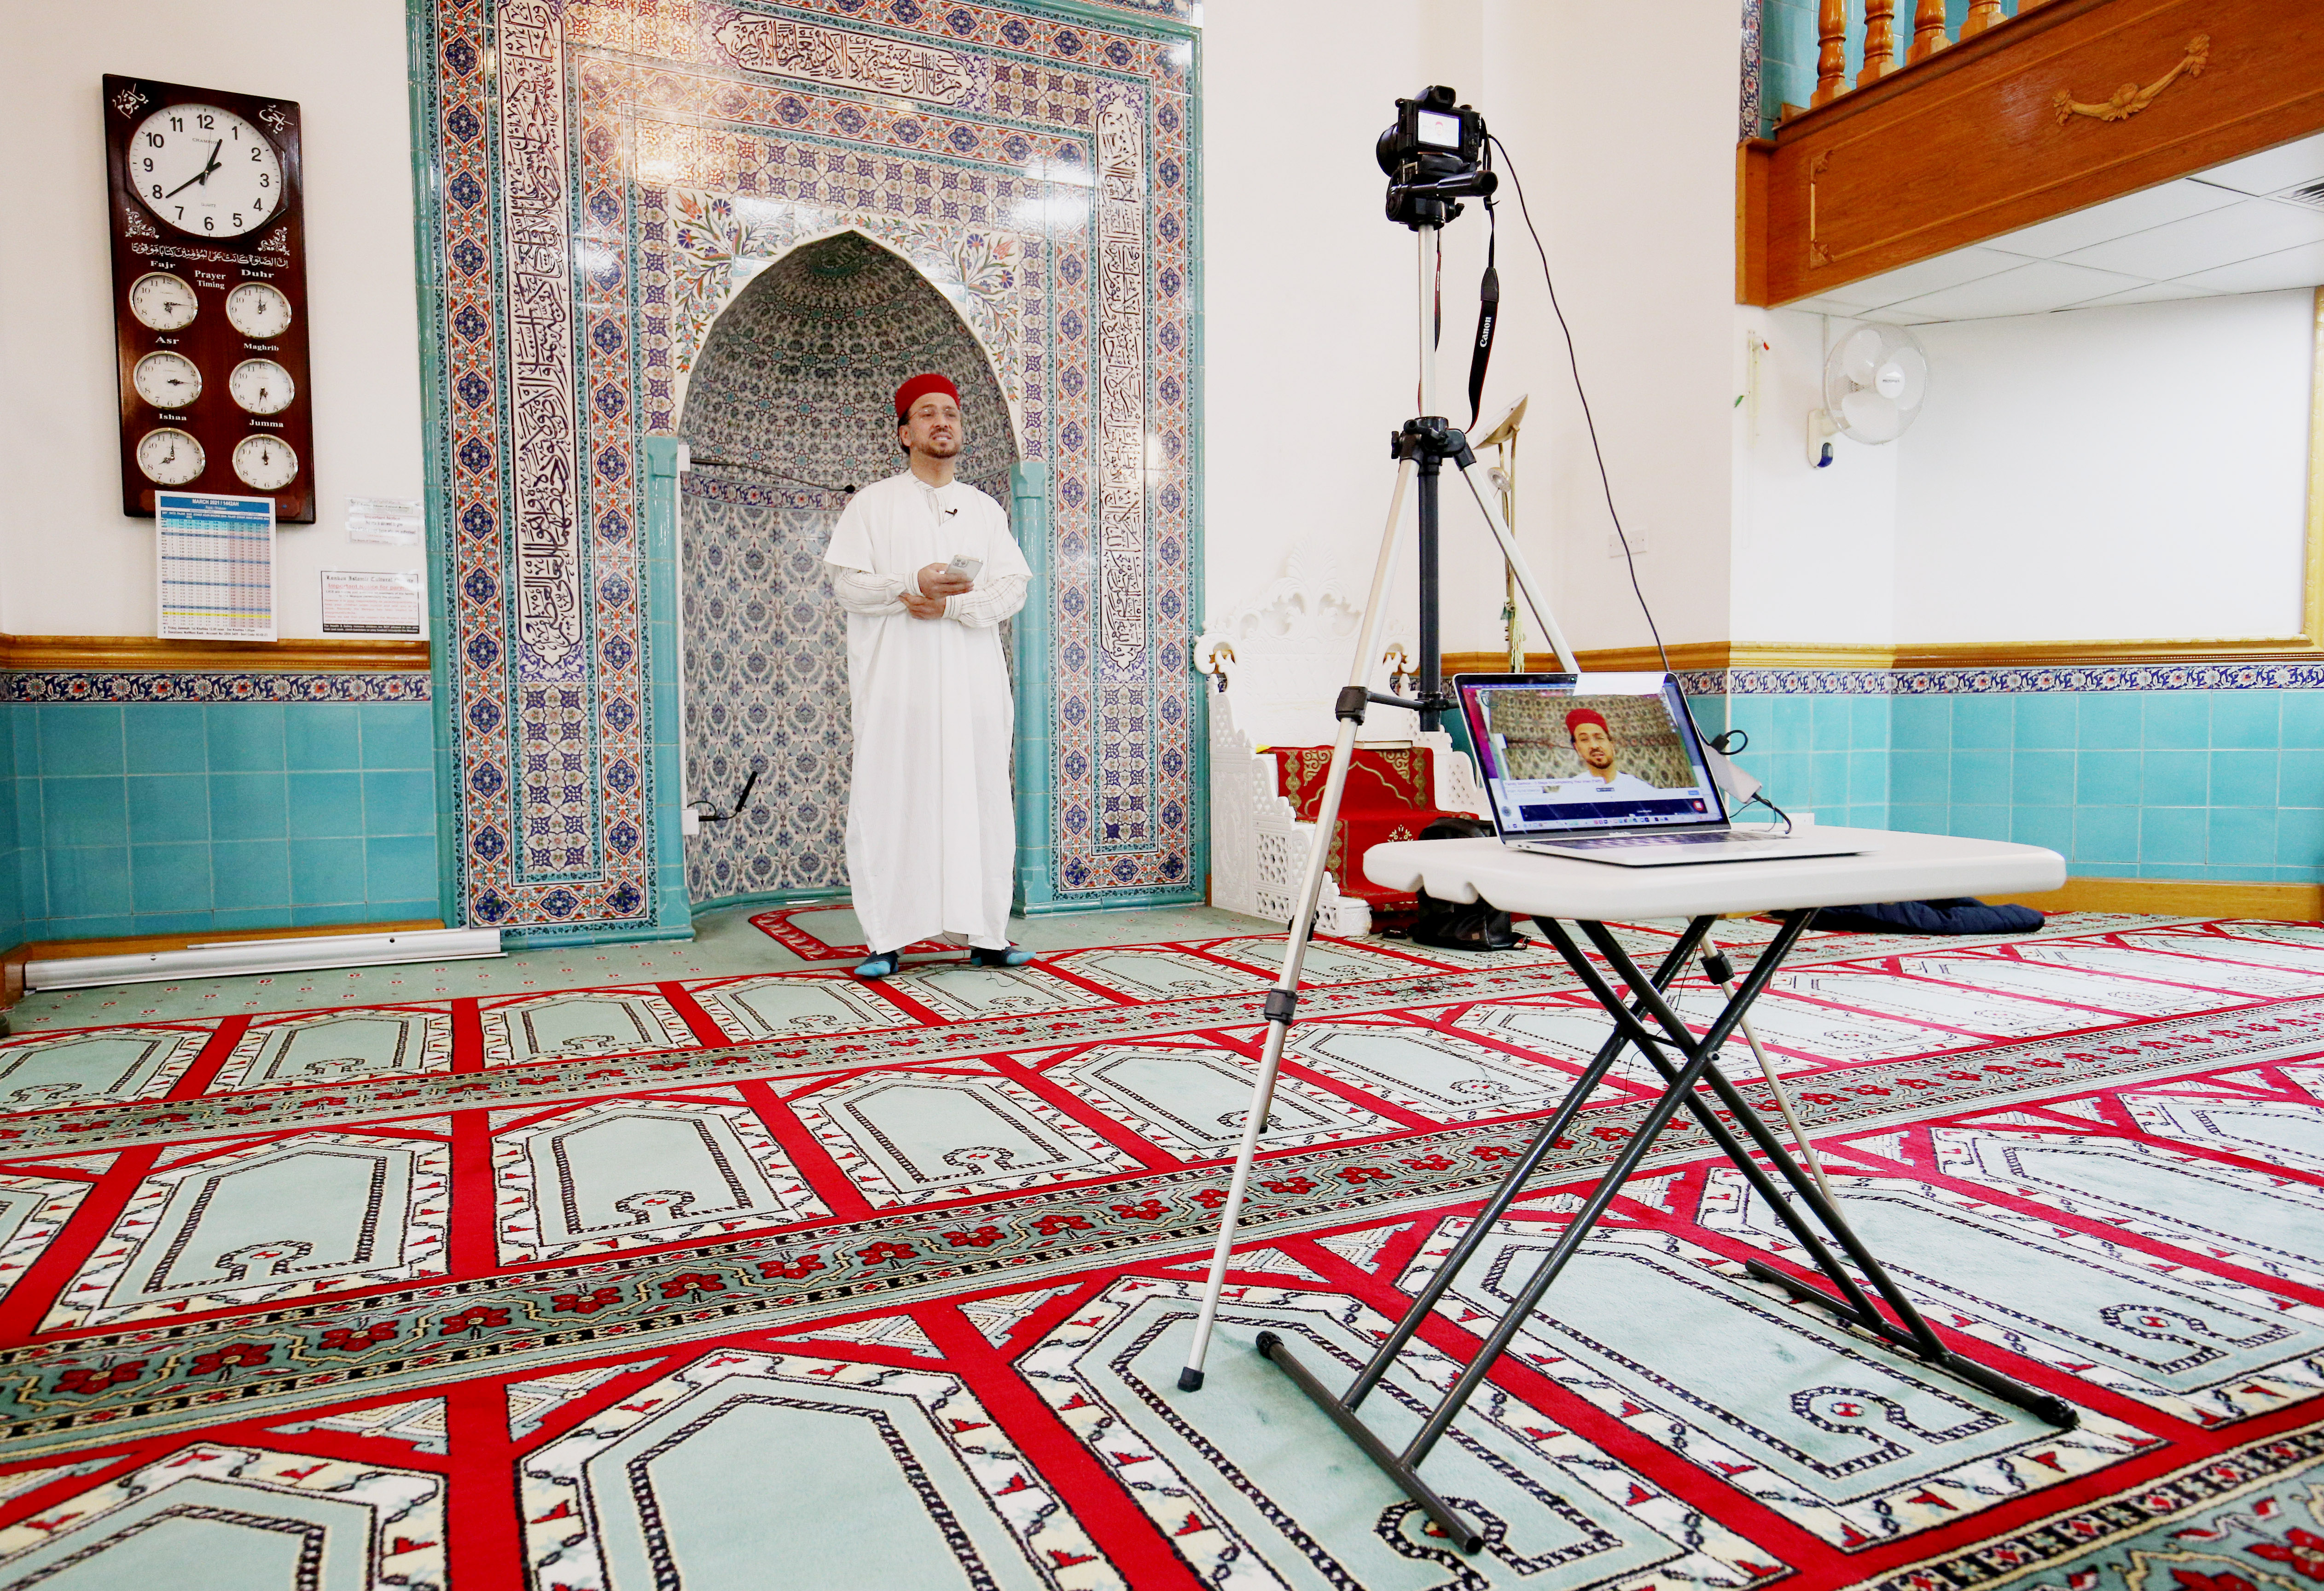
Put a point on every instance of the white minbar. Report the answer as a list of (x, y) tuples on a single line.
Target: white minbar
[(1557, 890)]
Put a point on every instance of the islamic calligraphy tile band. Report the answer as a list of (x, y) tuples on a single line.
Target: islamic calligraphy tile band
[(175, 1376), (586, 162)]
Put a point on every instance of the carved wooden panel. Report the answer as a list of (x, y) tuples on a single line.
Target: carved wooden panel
[(2071, 105)]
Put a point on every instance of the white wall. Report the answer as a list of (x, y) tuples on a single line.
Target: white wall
[(1621, 119), (1815, 549), (76, 565), (1308, 290), (2138, 471), (1620, 115)]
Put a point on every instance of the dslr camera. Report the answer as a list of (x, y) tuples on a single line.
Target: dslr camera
[(1435, 155)]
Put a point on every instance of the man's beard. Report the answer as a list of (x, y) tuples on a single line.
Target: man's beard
[(942, 449)]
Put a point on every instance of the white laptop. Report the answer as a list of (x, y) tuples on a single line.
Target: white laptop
[(1608, 768)]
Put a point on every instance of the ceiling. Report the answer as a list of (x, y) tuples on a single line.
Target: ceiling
[(2249, 226)]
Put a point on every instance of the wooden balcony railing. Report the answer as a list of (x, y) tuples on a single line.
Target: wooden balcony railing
[(1881, 41), (2021, 119)]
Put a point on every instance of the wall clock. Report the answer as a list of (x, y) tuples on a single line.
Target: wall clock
[(209, 283)]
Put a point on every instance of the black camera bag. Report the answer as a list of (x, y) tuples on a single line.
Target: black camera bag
[(1472, 925)]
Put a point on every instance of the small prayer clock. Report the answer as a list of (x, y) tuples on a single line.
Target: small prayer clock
[(209, 286)]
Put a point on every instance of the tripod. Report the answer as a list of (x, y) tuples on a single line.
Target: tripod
[(1684, 1059), (1422, 448)]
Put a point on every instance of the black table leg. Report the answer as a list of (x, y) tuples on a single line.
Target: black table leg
[(1401, 1468), (1514, 1183), (1917, 1337), (1697, 1066)]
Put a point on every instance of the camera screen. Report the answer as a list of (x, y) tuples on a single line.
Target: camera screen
[(1438, 130)]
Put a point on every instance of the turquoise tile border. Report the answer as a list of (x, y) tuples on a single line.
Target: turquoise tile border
[(1029, 635), (2208, 772)]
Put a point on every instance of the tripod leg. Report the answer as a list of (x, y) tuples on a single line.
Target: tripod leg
[(1284, 997), (1262, 1100), (1713, 959), (1520, 570)]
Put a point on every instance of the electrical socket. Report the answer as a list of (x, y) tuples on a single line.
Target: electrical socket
[(1638, 544)]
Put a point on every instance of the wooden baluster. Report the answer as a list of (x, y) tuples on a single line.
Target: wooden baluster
[(1982, 14), (1880, 41), (1928, 31), (1832, 57)]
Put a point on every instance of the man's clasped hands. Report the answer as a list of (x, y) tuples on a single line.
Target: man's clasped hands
[(937, 582)]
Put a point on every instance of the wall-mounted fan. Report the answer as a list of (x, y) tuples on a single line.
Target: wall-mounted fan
[(1874, 380)]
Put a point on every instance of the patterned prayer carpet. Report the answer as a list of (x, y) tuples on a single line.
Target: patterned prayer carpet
[(828, 934), (782, 1280)]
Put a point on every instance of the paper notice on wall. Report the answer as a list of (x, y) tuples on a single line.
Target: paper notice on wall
[(217, 557), (395, 520), (370, 601)]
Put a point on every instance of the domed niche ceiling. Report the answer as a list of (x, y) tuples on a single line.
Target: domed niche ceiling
[(792, 400)]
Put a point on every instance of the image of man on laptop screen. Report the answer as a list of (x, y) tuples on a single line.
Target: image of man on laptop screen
[(1589, 758), (1608, 768)]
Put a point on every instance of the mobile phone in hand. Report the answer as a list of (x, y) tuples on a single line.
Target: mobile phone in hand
[(966, 567)]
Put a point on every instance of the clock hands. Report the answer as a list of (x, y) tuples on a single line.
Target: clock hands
[(202, 176)]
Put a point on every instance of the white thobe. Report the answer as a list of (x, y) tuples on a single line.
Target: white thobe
[(931, 827)]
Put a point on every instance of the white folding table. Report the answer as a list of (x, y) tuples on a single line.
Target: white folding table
[(1555, 890)]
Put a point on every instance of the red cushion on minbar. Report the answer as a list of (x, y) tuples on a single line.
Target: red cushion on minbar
[(1381, 778)]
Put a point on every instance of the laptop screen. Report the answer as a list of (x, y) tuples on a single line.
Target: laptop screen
[(1567, 752)]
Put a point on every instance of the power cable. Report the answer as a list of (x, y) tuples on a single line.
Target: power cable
[(1573, 361), (1605, 480)]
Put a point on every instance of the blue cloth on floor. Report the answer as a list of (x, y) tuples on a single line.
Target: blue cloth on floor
[(1960, 915)]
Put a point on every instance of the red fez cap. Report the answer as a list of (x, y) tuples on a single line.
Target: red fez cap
[(1581, 715), (919, 387)]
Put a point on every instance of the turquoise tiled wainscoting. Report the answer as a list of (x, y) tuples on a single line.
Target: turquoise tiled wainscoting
[(183, 818), (2161, 782)]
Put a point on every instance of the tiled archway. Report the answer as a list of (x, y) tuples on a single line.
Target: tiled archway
[(787, 406)]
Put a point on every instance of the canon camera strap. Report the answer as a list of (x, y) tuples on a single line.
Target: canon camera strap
[(1489, 315)]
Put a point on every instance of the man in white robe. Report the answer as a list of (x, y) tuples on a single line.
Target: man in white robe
[(931, 826)]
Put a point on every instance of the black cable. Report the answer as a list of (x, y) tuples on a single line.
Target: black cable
[(749, 468), (1759, 798), (1573, 361), (1605, 481)]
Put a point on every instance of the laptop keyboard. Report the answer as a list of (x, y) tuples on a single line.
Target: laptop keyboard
[(1611, 842)]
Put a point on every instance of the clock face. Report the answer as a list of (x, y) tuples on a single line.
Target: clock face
[(204, 171), (169, 457), (261, 386), (162, 301), (167, 381), (258, 311), (266, 463)]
